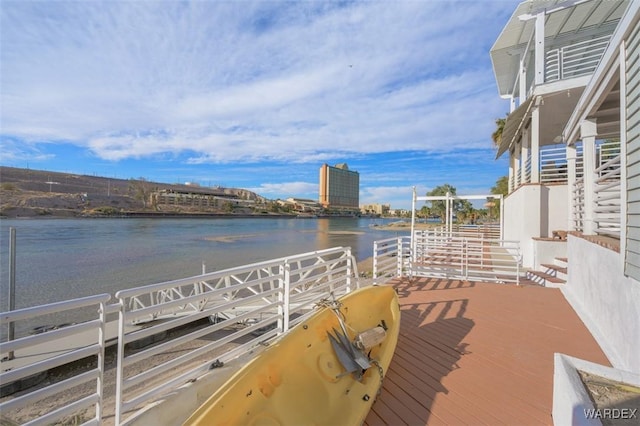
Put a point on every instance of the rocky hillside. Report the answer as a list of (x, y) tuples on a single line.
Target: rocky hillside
[(26, 193)]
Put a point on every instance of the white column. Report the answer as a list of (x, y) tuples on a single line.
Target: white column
[(525, 156), (623, 152), (516, 167), (522, 80), (588, 132), (571, 183), (534, 143), (539, 48), (511, 174)]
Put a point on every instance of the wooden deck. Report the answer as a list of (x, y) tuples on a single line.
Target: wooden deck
[(478, 353)]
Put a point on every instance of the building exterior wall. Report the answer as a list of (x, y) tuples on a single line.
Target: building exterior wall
[(339, 187), (607, 301), (632, 114), (534, 211), (558, 212)]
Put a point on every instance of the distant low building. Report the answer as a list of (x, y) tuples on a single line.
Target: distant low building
[(304, 205), (375, 209), (198, 197)]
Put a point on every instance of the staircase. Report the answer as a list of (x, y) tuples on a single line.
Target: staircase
[(552, 275)]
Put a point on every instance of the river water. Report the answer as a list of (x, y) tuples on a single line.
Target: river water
[(59, 259)]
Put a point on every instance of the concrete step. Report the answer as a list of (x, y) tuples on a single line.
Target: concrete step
[(555, 270), (544, 279), (561, 261)]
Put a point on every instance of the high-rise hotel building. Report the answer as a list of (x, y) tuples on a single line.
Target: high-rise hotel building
[(339, 187)]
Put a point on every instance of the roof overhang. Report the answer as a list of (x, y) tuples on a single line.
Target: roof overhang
[(565, 20), (513, 126), (554, 107), (601, 98)]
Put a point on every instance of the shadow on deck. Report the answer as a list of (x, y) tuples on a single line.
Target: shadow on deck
[(478, 353)]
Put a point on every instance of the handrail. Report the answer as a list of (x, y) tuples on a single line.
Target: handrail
[(553, 163), (575, 60), (245, 306), (451, 255), (232, 311), (32, 356), (607, 207)]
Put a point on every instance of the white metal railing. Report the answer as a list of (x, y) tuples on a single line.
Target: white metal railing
[(34, 355), (245, 306), (577, 200), (229, 312), (448, 255), (575, 60), (553, 164), (607, 194), (390, 257), (461, 256), (526, 178), (579, 160), (606, 209), (484, 231)]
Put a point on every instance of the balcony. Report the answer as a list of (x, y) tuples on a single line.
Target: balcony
[(575, 60)]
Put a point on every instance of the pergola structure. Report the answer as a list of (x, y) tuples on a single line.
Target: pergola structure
[(449, 198)]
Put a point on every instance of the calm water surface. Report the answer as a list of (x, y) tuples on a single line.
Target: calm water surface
[(59, 259)]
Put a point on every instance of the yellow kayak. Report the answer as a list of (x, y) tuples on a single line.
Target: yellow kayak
[(325, 370)]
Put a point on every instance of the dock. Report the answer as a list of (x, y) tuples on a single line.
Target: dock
[(478, 353)]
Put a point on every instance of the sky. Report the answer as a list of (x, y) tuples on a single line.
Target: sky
[(255, 94)]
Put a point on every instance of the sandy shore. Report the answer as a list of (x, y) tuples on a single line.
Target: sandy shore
[(406, 226)]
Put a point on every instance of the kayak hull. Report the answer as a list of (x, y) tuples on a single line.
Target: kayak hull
[(299, 379)]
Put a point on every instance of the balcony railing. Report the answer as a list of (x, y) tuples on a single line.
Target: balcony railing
[(553, 164), (606, 179), (575, 60), (607, 196), (577, 200)]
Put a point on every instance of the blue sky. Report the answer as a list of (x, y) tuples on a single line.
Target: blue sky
[(255, 95)]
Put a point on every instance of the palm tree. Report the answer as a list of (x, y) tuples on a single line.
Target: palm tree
[(496, 136), (501, 188)]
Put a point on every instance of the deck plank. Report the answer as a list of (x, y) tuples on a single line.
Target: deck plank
[(478, 353)]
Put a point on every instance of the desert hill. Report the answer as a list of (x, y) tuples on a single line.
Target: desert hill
[(27, 192)]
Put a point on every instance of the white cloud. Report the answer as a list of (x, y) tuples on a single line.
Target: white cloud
[(231, 81)]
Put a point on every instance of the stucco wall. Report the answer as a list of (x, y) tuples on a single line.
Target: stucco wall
[(558, 216), (522, 219), (547, 251), (534, 211), (606, 301)]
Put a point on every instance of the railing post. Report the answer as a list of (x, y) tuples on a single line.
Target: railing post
[(120, 363), (350, 268), (400, 258), (287, 294), (465, 257), (375, 262), (12, 286), (284, 285), (100, 379)]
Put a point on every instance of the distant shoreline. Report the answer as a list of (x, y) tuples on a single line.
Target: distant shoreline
[(406, 226), (164, 215)]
